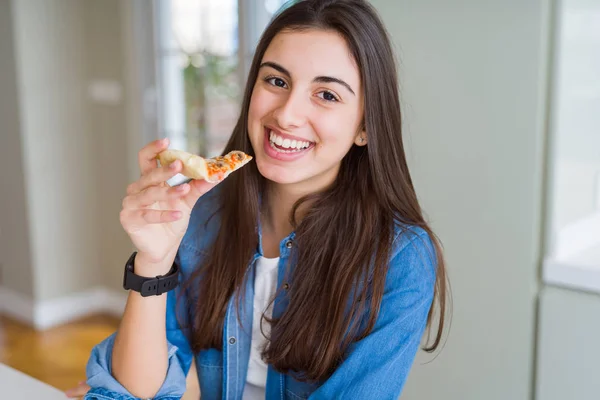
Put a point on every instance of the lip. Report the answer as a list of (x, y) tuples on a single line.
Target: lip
[(272, 153)]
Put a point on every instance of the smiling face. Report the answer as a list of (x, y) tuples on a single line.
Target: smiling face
[(306, 108)]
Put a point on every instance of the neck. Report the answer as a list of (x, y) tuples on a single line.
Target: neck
[(280, 201)]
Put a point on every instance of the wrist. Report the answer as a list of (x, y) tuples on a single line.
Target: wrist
[(148, 277), (148, 267)]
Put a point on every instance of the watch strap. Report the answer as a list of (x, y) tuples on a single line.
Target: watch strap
[(148, 286)]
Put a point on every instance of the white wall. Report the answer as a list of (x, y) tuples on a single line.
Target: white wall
[(64, 157), (15, 258), (58, 147), (473, 75)]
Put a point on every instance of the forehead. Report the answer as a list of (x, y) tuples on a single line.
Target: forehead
[(313, 52)]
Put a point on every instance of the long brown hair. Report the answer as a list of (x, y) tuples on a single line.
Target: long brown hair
[(344, 239)]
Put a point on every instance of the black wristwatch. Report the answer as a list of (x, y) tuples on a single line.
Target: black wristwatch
[(149, 286)]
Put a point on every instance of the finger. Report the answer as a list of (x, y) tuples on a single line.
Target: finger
[(157, 176), (78, 391), (153, 194), (147, 155), (198, 188), (133, 219)]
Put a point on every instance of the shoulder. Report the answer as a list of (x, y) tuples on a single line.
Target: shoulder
[(410, 235), (413, 258)]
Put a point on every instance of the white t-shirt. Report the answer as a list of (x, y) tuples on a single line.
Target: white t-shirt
[(265, 285)]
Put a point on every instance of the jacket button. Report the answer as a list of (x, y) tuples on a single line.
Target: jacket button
[(286, 286), (288, 244), (232, 340)]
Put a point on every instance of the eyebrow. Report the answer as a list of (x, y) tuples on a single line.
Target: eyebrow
[(320, 79)]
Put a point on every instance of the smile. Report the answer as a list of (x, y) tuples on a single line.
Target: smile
[(286, 145)]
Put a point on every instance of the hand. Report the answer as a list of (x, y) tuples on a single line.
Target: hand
[(79, 391), (155, 215)]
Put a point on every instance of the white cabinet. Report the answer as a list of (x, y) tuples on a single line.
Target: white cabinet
[(568, 345)]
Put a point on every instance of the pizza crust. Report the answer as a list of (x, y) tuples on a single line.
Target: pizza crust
[(193, 166)]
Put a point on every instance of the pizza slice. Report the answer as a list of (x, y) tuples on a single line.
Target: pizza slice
[(210, 169)]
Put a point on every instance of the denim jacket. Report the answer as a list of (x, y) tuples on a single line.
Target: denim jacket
[(375, 367)]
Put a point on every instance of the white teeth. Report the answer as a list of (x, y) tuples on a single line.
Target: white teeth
[(279, 150), (293, 145)]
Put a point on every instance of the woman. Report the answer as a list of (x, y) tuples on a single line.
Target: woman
[(320, 244)]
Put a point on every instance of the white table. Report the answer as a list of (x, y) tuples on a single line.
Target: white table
[(17, 385)]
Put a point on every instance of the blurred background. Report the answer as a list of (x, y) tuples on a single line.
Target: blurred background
[(501, 104)]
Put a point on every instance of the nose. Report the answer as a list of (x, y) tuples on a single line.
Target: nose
[(293, 111)]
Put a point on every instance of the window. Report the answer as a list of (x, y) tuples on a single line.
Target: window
[(573, 256)]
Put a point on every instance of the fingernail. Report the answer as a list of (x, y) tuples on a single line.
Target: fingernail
[(173, 165)]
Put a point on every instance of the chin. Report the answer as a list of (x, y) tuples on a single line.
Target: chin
[(277, 174)]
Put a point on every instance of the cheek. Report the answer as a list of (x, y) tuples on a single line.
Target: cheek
[(336, 128), (260, 105)]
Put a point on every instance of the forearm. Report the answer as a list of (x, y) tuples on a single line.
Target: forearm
[(140, 352)]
